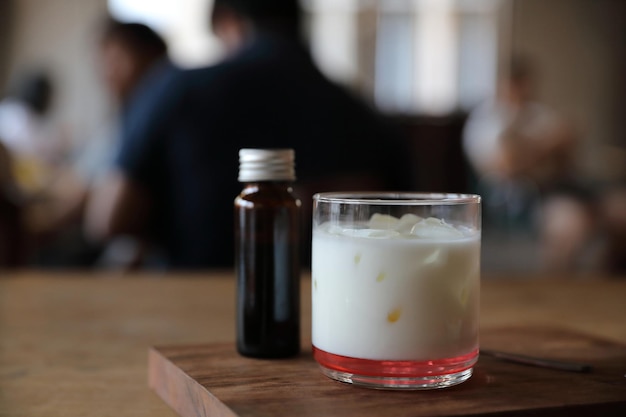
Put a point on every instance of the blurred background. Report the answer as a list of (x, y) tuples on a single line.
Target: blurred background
[(425, 64)]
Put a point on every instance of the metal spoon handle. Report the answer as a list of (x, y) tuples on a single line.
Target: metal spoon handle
[(541, 362)]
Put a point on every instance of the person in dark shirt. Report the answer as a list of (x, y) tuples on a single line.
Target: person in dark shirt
[(176, 173)]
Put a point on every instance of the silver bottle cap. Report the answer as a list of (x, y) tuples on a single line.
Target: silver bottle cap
[(266, 165)]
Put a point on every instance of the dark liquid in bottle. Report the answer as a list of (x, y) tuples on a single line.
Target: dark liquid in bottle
[(268, 271)]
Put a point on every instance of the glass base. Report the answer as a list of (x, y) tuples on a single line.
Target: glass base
[(397, 375)]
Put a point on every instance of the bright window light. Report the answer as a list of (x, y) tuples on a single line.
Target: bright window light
[(184, 24), (435, 56)]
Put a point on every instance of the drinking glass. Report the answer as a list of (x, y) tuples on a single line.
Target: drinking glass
[(395, 288)]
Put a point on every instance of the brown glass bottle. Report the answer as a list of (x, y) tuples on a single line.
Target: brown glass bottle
[(268, 268)]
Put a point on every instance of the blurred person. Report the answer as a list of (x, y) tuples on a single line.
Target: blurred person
[(523, 153), (36, 144), (133, 60), (175, 177), (34, 159)]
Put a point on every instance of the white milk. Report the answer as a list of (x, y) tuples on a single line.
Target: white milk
[(398, 292)]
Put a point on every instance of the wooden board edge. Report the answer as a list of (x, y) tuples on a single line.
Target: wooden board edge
[(181, 392), (610, 409)]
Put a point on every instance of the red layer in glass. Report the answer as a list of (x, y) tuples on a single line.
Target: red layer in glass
[(390, 368)]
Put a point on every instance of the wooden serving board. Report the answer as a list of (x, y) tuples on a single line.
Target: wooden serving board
[(213, 380)]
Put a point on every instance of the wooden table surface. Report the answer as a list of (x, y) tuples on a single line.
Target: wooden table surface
[(76, 343)]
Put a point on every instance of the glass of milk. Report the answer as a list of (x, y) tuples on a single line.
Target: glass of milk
[(395, 287)]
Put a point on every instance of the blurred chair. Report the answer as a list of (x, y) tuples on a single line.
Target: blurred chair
[(12, 230)]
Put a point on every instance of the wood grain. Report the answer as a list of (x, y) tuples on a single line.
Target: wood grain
[(213, 380), (74, 343)]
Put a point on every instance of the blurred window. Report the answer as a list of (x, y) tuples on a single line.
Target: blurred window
[(429, 56), (395, 66), (332, 33), (184, 24)]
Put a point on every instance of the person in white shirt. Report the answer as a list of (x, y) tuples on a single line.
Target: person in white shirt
[(522, 152)]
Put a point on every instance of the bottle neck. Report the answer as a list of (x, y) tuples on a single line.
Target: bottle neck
[(280, 183), (254, 186)]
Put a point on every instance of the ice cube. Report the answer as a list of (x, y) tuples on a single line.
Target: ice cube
[(333, 229), (371, 233), (467, 231), (434, 221), (435, 229), (406, 223), (433, 257), (382, 221)]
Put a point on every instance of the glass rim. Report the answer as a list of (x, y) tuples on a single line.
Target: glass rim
[(396, 198)]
